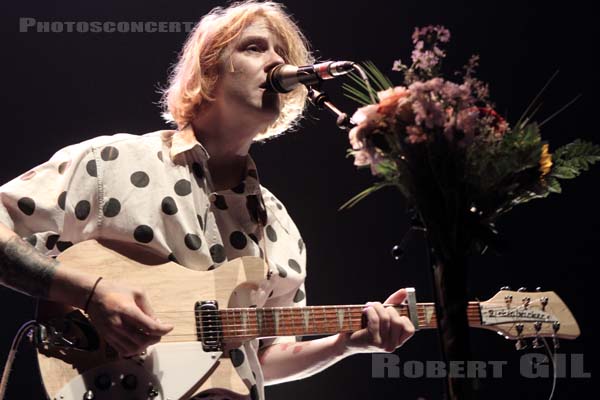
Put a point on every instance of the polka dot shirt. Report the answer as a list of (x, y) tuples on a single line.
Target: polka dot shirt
[(155, 190)]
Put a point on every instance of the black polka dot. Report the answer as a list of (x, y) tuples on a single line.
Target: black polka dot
[(212, 267), (111, 208), (293, 264), (159, 155), (91, 169), (192, 241), (109, 153), (198, 171), (252, 173), (173, 258), (254, 392), (282, 271), (62, 246), (183, 187), (143, 234), (279, 206), (238, 240), (82, 210), (140, 179), (271, 234), (237, 357), (300, 245), (256, 212), (239, 188), (217, 253), (62, 199), (51, 241), (168, 206), (200, 222), (253, 237), (271, 294), (32, 240), (220, 202), (63, 166), (299, 296), (26, 205)]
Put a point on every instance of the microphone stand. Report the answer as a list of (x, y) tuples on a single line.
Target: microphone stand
[(322, 102)]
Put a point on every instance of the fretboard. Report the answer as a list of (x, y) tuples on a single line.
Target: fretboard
[(249, 323)]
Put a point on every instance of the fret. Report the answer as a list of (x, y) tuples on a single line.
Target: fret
[(339, 312), (306, 318), (276, 319), (324, 311), (349, 313), (293, 321), (244, 321), (259, 319)]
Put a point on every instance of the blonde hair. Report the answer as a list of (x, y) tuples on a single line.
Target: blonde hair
[(193, 77)]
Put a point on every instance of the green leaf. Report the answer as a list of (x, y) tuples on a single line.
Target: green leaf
[(574, 158), (553, 185), (354, 200)]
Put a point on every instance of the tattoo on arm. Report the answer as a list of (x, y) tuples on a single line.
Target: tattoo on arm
[(25, 269)]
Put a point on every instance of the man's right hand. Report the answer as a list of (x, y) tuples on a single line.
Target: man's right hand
[(124, 318)]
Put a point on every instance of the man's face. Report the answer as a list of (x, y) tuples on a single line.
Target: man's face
[(240, 89)]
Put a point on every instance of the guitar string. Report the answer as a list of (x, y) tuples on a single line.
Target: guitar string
[(470, 307)]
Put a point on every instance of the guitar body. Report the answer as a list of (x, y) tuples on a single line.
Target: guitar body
[(166, 370)]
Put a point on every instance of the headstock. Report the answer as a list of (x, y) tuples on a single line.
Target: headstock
[(518, 315)]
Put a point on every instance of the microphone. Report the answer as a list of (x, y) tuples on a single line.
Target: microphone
[(283, 78)]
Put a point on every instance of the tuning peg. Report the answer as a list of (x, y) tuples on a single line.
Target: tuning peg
[(538, 289), (522, 289), (505, 288), (536, 344), (555, 328), (536, 341), (520, 344), (555, 342), (544, 302)]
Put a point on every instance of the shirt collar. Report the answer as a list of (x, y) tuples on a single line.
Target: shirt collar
[(181, 141)]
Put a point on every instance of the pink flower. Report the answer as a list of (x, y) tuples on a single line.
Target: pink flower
[(467, 120), (391, 98), (366, 115), (415, 134)]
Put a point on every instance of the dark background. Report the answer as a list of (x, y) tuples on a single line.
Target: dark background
[(58, 89)]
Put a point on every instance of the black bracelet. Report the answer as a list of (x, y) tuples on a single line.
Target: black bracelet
[(87, 303)]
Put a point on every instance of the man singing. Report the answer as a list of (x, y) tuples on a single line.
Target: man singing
[(190, 195)]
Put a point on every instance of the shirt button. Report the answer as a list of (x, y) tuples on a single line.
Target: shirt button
[(212, 196)]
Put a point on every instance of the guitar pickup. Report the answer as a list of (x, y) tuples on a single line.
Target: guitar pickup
[(209, 328)]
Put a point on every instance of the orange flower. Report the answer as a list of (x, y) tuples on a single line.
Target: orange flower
[(545, 160), (389, 98)]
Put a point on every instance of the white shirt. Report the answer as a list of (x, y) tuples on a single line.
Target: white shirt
[(155, 190)]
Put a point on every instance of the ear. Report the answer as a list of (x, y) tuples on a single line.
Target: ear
[(397, 297)]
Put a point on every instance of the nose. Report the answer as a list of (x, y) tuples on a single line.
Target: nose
[(273, 60)]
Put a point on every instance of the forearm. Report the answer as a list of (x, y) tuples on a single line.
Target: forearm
[(292, 361), (26, 270)]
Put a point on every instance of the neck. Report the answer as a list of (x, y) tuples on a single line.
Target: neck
[(228, 142)]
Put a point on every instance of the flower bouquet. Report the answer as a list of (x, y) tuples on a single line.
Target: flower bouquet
[(457, 161)]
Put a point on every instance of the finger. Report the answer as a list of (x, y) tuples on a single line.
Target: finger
[(408, 330), (384, 323), (373, 325), (121, 343), (136, 318), (144, 304), (396, 333), (397, 297)]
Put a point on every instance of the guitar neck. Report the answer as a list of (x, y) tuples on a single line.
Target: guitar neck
[(249, 323)]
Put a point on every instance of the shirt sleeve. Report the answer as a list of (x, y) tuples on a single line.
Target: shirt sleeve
[(56, 203)]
